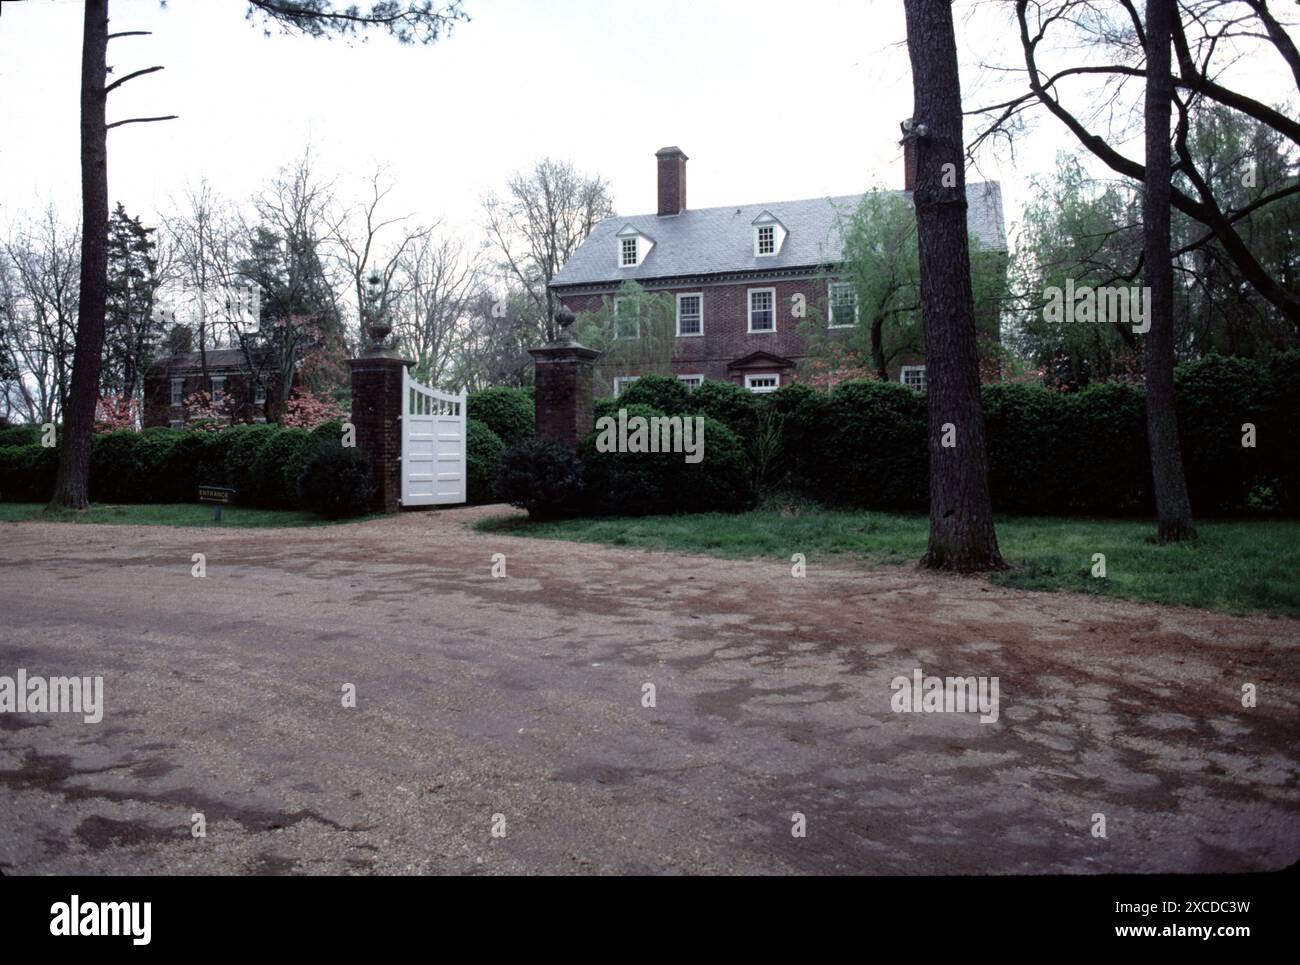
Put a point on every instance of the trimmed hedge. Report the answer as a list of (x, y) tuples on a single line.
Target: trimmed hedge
[(483, 449), (507, 412), (542, 477), (646, 483)]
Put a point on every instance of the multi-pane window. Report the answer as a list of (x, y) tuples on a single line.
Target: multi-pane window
[(628, 250), (762, 309), (767, 239), (622, 382), (178, 391), (844, 305), (218, 388), (762, 383), (913, 376), (627, 318), (690, 314), (259, 393), (692, 382)]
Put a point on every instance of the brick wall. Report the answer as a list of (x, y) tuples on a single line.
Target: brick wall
[(159, 411), (376, 411)]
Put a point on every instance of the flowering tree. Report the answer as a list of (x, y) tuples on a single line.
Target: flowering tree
[(113, 412), (307, 410), (203, 414)]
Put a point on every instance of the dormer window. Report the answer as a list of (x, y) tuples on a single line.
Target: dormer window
[(769, 234), (633, 247)]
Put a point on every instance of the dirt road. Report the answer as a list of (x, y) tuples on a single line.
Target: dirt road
[(517, 704)]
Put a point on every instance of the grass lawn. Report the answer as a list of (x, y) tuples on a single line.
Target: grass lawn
[(164, 514), (1239, 566)]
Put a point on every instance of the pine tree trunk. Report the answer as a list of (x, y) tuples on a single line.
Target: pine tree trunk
[(72, 487), (962, 536), (1173, 507)]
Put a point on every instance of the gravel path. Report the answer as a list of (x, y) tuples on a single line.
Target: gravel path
[(518, 703)]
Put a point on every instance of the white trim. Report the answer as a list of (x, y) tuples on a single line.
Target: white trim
[(623, 251), (637, 302), (758, 240), (902, 376), (176, 424), (680, 296), (762, 389), (830, 304), (621, 383), (259, 392), (692, 381), (177, 384), (749, 311), (217, 380)]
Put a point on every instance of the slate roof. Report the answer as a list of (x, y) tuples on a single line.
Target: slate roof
[(218, 359), (706, 241)]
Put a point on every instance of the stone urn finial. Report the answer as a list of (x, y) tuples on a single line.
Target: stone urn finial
[(563, 320)]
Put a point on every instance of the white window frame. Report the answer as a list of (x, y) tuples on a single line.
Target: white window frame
[(680, 296), (830, 304), (178, 389), (902, 376), (621, 382), (637, 302), (749, 313), (758, 240), (218, 388), (622, 251), (763, 389), (693, 382), (176, 424), (259, 392)]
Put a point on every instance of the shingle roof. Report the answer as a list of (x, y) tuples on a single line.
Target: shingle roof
[(706, 241)]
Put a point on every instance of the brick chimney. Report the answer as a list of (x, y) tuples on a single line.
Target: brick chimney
[(909, 164), (672, 180)]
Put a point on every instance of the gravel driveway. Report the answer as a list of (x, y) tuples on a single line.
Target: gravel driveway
[(518, 705)]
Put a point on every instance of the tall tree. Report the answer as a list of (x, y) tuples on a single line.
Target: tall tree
[(133, 328), (547, 213), (962, 536), (1173, 507), (416, 21)]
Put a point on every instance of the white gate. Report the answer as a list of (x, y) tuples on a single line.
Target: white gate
[(433, 445)]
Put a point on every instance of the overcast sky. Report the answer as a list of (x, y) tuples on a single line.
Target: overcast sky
[(771, 101)]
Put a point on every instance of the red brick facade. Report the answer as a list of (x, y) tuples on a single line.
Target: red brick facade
[(377, 416), (179, 376), (726, 348)]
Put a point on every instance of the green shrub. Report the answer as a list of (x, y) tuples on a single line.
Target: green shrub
[(1105, 467), (153, 473), (507, 412), (734, 407), (542, 477), (331, 431), (1214, 396), (666, 393), (1027, 448), (242, 460), (871, 448), (721, 482), (336, 482), (27, 473), (278, 465), (20, 436), (1277, 435), (114, 475), (483, 449), (628, 483)]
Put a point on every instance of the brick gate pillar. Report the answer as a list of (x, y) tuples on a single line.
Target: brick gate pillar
[(377, 414), (562, 377)]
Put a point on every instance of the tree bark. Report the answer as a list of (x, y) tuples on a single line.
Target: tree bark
[(1173, 507), (72, 486), (962, 536)]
